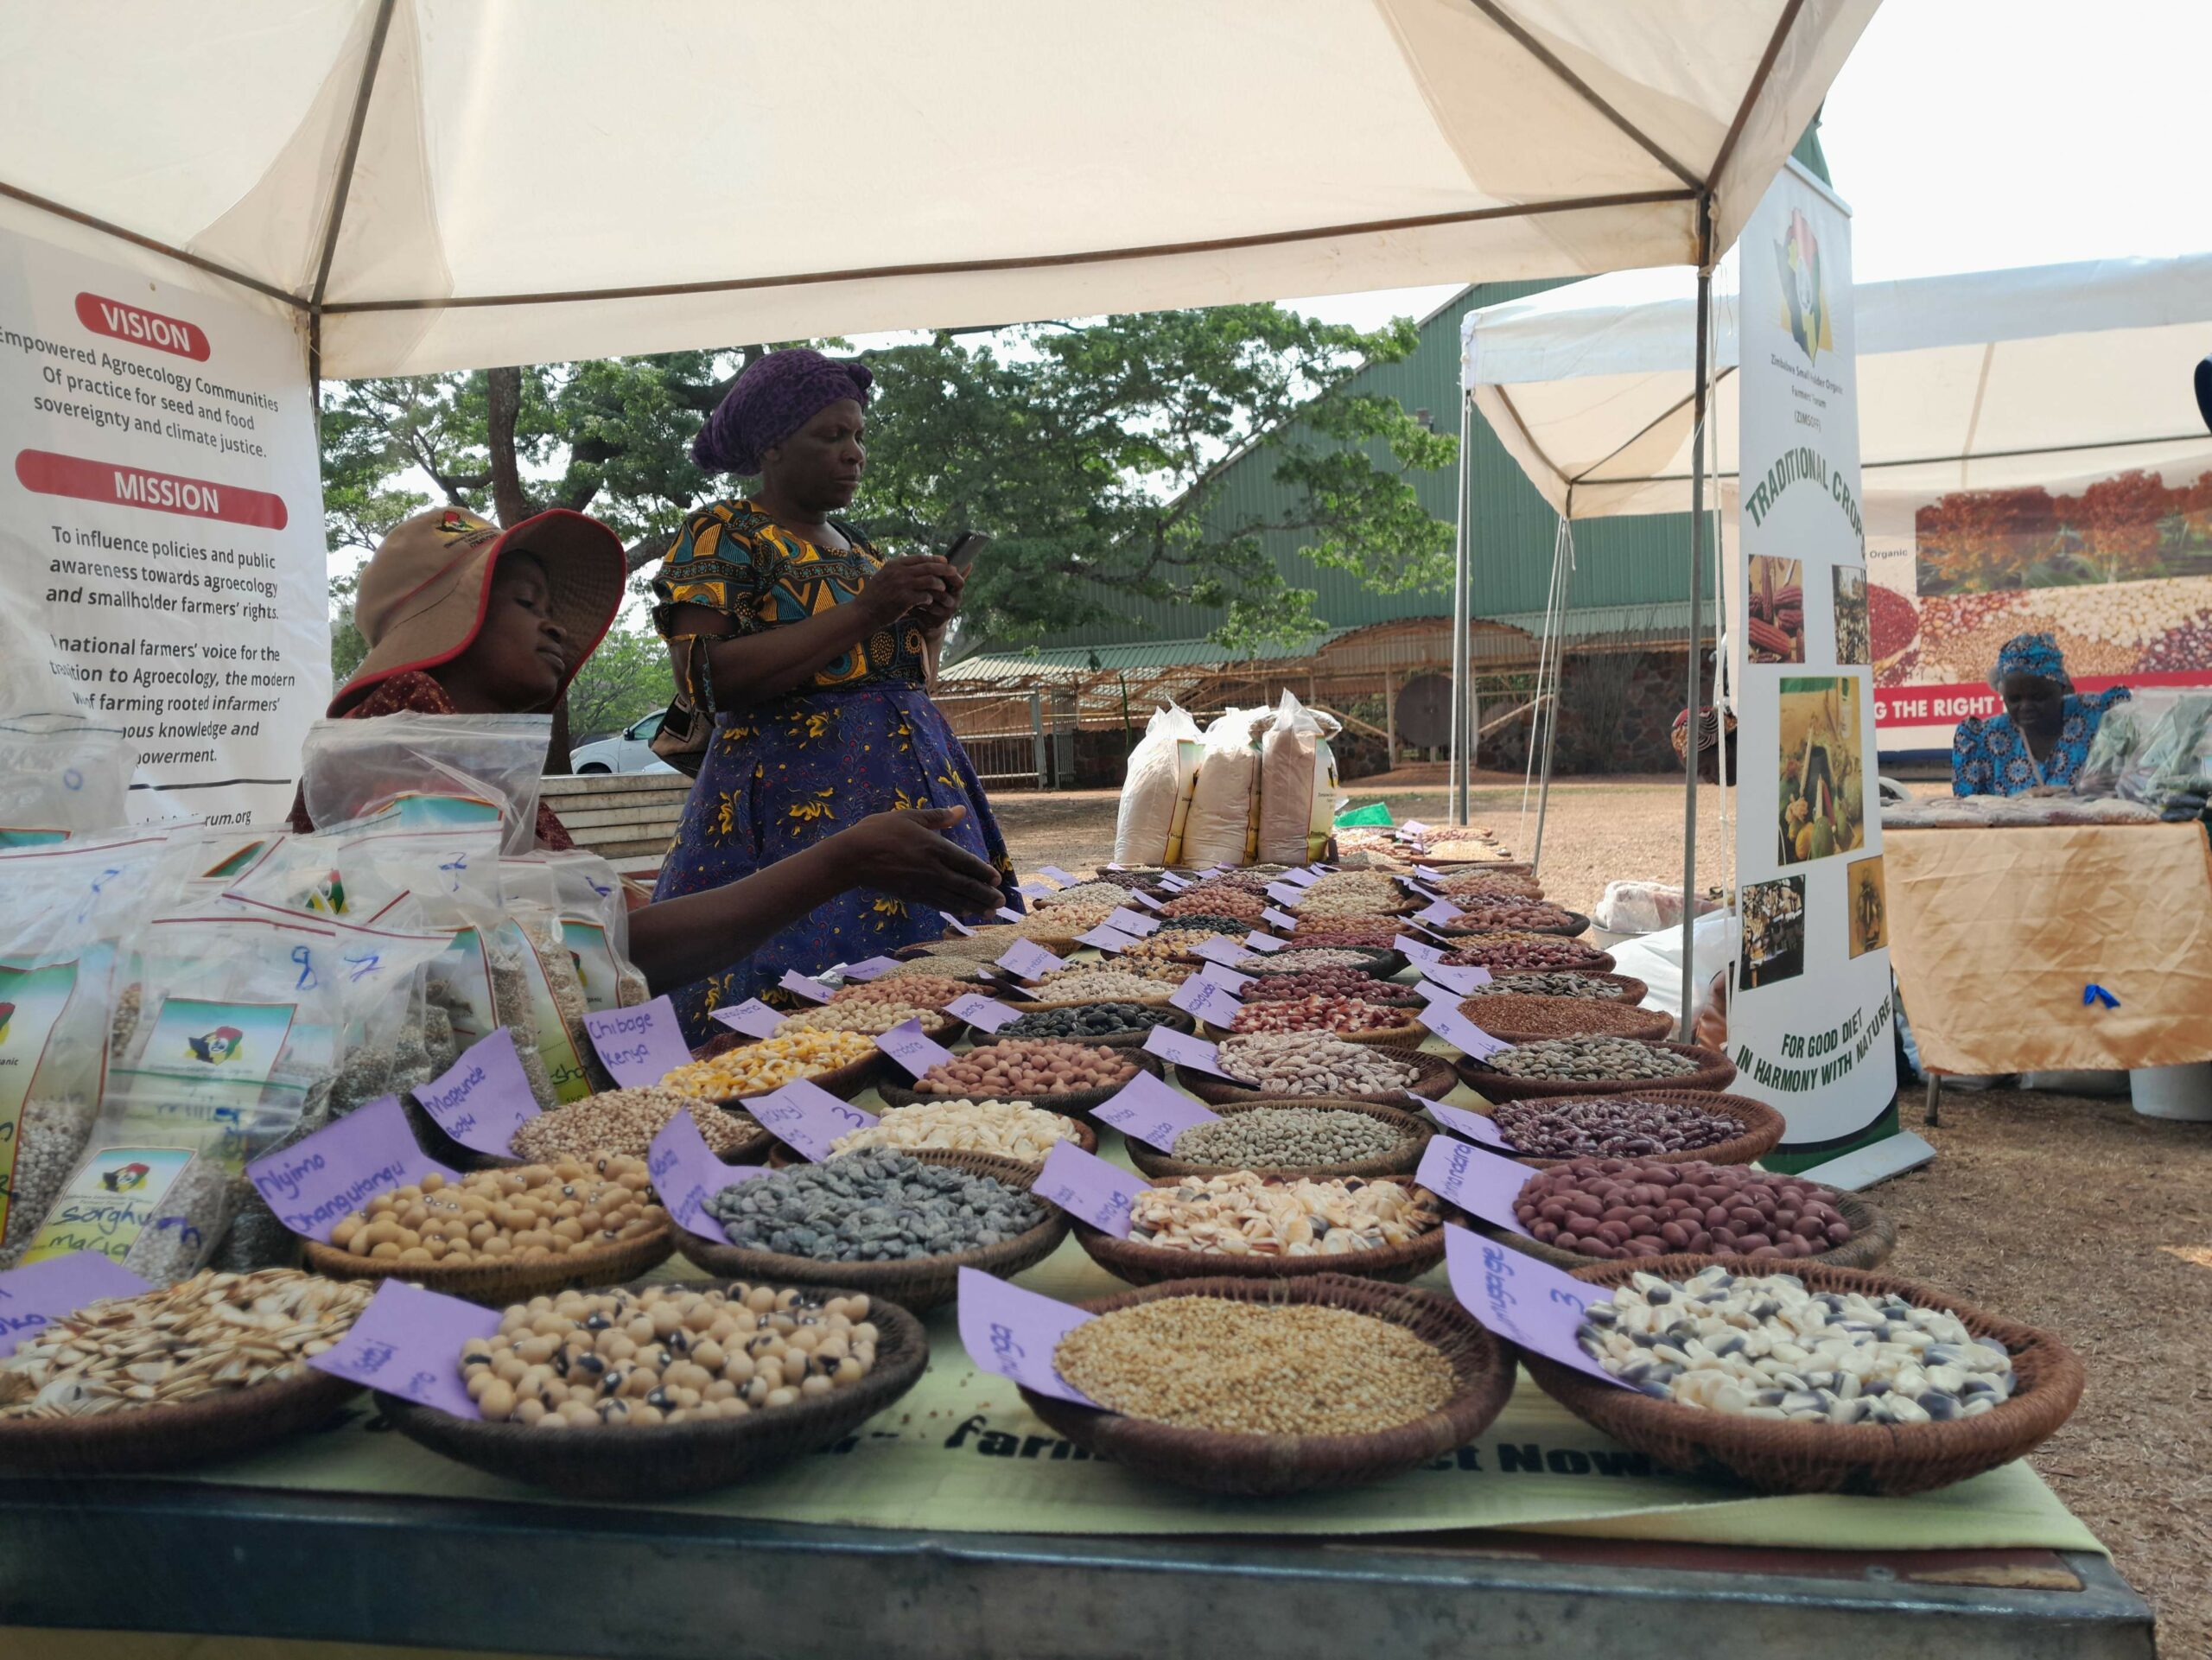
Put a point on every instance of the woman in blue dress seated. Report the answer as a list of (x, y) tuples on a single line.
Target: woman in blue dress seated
[(811, 652), (2043, 735)]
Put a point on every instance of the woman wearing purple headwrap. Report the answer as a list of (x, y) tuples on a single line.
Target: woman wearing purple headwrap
[(811, 653), (2042, 738)]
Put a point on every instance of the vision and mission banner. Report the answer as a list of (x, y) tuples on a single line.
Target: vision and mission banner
[(1809, 1009)]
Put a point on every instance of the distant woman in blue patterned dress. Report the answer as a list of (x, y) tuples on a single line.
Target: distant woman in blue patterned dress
[(811, 652), (2043, 735)]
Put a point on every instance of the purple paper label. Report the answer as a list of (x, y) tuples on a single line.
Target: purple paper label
[(753, 1017), (1412, 827), (484, 1098), (1132, 922), (1035, 890), (1226, 952), (1275, 919), (686, 1174), (1429, 893), (639, 1045), (1030, 960), (318, 1181), (408, 1343), (33, 1298), (1227, 978), (1174, 884), (1149, 902), (1006, 913), (869, 967), (1479, 1182), (1152, 1112), (911, 1047), (1305, 878), (1414, 952), (1060, 876), (1441, 911), (1013, 1333), (1288, 893), (1184, 1051), (982, 1013), (1524, 1300), (1428, 876), (1087, 1188), (798, 985), (1260, 942), (1106, 939), (957, 925), (808, 1118), (1447, 1022), (1473, 1125), (1213, 1004), (1462, 979)]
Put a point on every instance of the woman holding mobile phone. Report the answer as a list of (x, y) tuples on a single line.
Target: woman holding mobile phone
[(811, 653)]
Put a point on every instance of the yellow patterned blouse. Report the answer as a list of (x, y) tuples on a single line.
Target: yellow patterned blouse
[(734, 558)]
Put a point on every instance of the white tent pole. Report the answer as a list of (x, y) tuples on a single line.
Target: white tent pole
[(1463, 758), (1555, 631), (1694, 730)]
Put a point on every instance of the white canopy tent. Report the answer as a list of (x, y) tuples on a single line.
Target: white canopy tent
[(438, 184)]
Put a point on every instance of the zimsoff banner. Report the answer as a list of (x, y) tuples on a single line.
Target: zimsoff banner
[(160, 518), (1809, 1013)]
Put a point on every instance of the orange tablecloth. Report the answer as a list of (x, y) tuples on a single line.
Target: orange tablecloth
[(1995, 933)]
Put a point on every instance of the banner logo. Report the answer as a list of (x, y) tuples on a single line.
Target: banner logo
[(1804, 289)]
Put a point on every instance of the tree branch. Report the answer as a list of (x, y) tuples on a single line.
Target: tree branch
[(510, 502)]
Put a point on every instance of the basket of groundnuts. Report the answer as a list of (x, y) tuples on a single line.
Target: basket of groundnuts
[(1808, 1379), (1248, 1225), (1598, 1066), (652, 1390)]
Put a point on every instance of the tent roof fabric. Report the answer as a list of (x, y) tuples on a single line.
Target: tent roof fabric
[(451, 183), (2045, 375)]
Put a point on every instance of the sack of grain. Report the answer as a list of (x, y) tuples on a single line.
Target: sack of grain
[(1298, 785), (1156, 792), (1224, 825)]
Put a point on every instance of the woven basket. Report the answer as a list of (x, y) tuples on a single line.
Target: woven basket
[(1627, 988), (1139, 1264), (1029, 1005), (1589, 959), (918, 1283), (1400, 1161), (1072, 1102), (1762, 1129), (1715, 1071), (1873, 1236), (1407, 1036), (1576, 923), (1436, 1078), (134, 1441), (1381, 963), (1131, 1037), (496, 1283), (783, 1158), (654, 1461), (1588, 1017), (1881, 1461), (844, 1082), (1217, 1462)]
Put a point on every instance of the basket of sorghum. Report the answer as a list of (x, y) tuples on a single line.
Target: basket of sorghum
[(1250, 1226), (1521, 1019), (1594, 1066), (1280, 1386), (1916, 1390)]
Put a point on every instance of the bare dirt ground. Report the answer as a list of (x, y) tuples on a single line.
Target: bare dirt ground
[(2069, 1212)]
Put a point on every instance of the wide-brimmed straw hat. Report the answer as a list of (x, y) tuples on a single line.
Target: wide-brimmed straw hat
[(424, 593)]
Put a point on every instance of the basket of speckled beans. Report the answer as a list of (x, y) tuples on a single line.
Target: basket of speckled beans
[(1598, 1066)]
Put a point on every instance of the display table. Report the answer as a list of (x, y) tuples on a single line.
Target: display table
[(1995, 933)]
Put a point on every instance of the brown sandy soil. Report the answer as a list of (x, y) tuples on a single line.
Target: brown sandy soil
[(2068, 1213)]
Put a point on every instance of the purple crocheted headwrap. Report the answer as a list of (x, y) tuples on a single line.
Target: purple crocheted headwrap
[(774, 398)]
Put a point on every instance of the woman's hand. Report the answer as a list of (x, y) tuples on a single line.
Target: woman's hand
[(932, 616), (907, 584), (907, 854)]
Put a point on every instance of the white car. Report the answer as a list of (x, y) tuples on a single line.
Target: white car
[(628, 751)]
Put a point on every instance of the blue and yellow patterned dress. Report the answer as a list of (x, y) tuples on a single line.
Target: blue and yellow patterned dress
[(860, 737)]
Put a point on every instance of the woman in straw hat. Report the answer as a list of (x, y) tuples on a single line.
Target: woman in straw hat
[(462, 619)]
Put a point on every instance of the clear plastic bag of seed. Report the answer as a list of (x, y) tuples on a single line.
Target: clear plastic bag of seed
[(158, 1211), (434, 770), (531, 897), (64, 907), (594, 903)]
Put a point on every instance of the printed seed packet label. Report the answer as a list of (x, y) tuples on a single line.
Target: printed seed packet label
[(869, 967), (1443, 1018), (956, 924), (1227, 953), (1174, 884), (1088, 1188), (1414, 952), (1304, 878), (982, 1012), (1441, 911), (640, 1045), (1148, 1110), (109, 1203), (808, 1118), (1524, 1300), (1461, 978), (1288, 893), (1480, 1183), (484, 1098), (318, 1181), (1059, 875), (1213, 1004), (1132, 922), (33, 1297), (910, 1046), (686, 1174), (1183, 1050), (408, 1343), (1106, 939), (1006, 913), (1260, 942), (800, 986), (1030, 960), (1459, 1120), (1275, 919), (1149, 902), (1013, 1333), (753, 1017), (1035, 890), (1227, 978)]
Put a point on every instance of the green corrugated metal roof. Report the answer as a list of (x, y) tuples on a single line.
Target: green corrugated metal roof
[(1663, 619)]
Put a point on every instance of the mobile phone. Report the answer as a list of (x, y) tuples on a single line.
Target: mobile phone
[(962, 555)]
